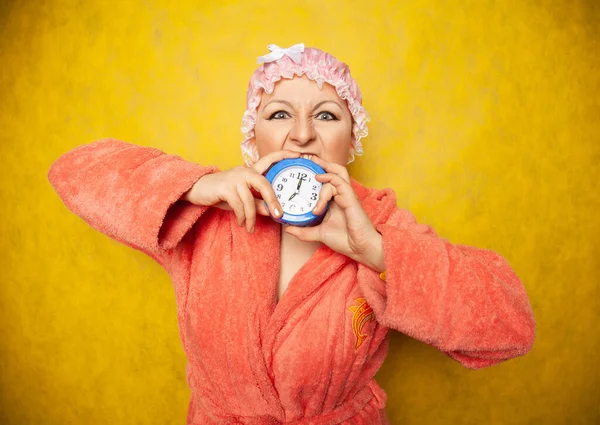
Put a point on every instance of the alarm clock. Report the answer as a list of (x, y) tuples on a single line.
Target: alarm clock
[(297, 190)]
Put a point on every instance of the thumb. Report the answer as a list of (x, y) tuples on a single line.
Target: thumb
[(306, 234)]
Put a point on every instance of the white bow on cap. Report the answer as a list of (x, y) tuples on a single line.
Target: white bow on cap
[(294, 52)]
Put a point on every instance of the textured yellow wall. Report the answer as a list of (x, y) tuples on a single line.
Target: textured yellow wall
[(485, 122)]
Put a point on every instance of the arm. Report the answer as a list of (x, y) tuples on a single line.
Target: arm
[(465, 301), (131, 193)]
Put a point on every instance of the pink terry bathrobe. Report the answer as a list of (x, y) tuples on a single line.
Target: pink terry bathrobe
[(309, 358)]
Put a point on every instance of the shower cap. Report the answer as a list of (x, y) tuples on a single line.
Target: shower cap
[(320, 67)]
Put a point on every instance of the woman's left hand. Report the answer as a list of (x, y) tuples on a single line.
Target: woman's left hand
[(346, 228)]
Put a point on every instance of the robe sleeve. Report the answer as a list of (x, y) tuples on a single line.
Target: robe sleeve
[(466, 302), (130, 193)]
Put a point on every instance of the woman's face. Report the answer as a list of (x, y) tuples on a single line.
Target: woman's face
[(303, 118)]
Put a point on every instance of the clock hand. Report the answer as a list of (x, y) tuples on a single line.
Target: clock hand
[(305, 200), (299, 184), (293, 194)]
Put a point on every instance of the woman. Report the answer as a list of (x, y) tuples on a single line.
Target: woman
[(287, 324)]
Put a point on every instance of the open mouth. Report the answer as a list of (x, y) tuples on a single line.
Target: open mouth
[(307, 155)]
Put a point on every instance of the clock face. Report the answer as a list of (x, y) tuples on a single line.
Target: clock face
[(296, 189)]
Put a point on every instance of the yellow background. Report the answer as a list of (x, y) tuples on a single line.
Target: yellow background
[(485, 120)]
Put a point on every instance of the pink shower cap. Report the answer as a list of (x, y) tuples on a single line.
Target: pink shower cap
[(317, 65)]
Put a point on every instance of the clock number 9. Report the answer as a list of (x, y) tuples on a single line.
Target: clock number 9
[(279, 187)]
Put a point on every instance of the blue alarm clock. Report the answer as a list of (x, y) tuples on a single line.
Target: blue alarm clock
[(297, 190)]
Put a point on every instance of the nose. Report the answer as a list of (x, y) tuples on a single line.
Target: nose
[(302, 132)]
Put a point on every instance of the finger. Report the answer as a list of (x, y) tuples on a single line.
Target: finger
[(325, 195), (261, 208), (262, 185), (343, 193), (259, 205), (249, 207), (223, 206), (237, 206), (266, 161), (307, 234), (332, 167)]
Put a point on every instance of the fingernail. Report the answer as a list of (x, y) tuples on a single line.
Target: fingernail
[(277, 213), (252, 229)]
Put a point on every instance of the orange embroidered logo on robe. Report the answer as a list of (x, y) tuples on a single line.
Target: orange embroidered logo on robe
[(363, 313)]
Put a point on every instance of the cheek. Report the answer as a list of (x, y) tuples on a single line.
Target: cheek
[(338, 144), (268, 138)]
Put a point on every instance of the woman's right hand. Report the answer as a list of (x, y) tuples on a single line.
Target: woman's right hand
[(232, 190)]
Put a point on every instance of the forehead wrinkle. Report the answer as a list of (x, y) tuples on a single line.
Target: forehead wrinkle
[(321, 103), (285, 102), (318, 105), (298, 93)]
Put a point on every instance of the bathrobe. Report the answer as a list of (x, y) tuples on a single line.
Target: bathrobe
[(310, 357)]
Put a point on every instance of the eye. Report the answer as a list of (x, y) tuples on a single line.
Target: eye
[(279, 115), (326, 116)]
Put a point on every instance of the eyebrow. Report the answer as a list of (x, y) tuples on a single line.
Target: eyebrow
[(317, 106)]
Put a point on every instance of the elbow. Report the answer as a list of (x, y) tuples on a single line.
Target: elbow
[(54, 174), (473, 360), (528, 334), (61, 178), (520, 329), (515, 344), (508, 336), (61, 170)]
